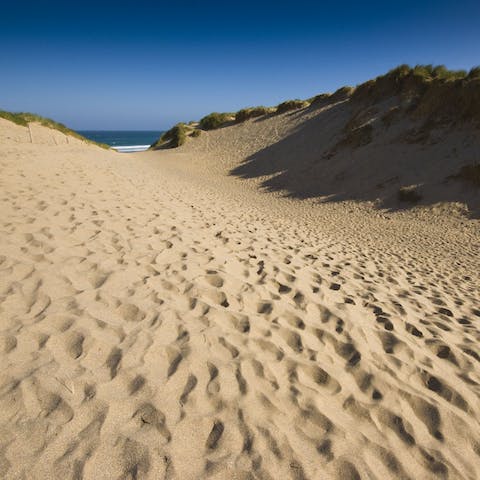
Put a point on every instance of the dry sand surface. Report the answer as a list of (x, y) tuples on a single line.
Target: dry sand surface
[(162, 319)]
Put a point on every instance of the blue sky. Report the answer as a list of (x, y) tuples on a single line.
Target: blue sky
[(144, 65)]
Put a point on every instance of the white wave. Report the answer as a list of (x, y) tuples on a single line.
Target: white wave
[(131, 148)]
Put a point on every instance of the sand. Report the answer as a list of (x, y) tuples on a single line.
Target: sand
[(161, 318)]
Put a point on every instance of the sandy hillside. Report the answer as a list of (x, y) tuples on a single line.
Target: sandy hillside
[(162, 317)]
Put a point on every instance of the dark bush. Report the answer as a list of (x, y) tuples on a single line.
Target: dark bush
[(196, 133)]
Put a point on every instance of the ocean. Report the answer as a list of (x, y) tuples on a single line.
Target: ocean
[(124, 141)]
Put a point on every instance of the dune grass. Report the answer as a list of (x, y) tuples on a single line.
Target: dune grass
[(24, 118), (173, 138), (215, 120), (290, 105), (252, 112), (434, 93)]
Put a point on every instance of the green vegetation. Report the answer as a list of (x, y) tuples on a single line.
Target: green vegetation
[(173, 138), (253, 112), (196, 133), (426, 72), (18, 118), (474, 73), (470, 174), (434, 94), (291, 105), (215, 120), (23, 119), (409, 194)]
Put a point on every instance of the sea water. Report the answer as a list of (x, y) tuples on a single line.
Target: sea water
[(124, 141)]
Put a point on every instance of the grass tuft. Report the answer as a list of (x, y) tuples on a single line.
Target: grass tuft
[(253, 112), (173, 138), (290, 105), (215, 120), (433, 92)]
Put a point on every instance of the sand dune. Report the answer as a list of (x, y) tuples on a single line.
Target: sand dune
[(156, 325)]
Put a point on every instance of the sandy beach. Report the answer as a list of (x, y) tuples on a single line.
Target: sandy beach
[(175, 315)]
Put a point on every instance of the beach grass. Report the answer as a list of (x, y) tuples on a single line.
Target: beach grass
[(252, 112), (290, 105), (435, 94), (173, 138), (25, 118), (215, 120)]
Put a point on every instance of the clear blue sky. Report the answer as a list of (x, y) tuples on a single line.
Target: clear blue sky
[(147, 65)]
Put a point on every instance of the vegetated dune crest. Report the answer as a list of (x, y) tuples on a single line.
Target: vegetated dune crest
[(410, 137)]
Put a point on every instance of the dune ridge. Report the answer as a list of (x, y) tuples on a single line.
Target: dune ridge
[(163, 318), (404, 139)]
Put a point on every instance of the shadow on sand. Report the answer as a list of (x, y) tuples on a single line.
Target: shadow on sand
[(312, 162)]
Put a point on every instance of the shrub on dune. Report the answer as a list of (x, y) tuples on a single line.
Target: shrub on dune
[(291, 105), (215, 120), (173, 138), (253, 112)]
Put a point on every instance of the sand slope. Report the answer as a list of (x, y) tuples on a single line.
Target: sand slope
[(347, 151), (157, 326)]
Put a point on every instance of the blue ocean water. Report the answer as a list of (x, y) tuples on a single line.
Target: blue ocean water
[(123, 140)]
